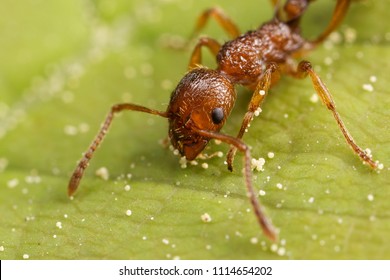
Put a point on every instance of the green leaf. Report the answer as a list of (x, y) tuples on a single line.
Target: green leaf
[(64, 63)]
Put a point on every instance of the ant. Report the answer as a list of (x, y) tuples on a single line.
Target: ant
[(204, 98)]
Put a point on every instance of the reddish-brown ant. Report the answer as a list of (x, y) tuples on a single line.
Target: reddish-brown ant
[(204, 98)]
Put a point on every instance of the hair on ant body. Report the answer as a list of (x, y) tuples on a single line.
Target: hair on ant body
[(204, 98)]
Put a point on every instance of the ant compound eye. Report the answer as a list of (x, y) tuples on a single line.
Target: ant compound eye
[(217, 115)]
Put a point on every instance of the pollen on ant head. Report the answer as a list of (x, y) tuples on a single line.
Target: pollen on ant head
[(183, 162)]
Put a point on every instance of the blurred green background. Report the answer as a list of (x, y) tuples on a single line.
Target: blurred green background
[(64, 63)]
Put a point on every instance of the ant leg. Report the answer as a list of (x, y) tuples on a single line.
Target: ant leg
[(262, 219), (258, 97), (338, 14), (222, 19), (304, 69), (196, 57), (83, 163)]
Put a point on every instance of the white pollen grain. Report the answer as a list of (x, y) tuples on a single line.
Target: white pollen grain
[(102, 173), (2, 249), (70, 130), (205, 165), (314, 98), (311, 200), (271, 155), (26, 256), (127, 188), (13, 183), (254, 240), (262, 193), (279, 186), (258, 164), (165, 241), (368, 87), (370, 197), (206, 218), (262, 92), (257, 112), (281, 251), (183, 162), (59, 225)]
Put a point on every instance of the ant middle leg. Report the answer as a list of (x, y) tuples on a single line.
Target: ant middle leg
[(270, 74), (196, 56), (304, 69)]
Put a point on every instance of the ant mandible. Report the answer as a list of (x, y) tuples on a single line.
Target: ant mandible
[(204, 98)]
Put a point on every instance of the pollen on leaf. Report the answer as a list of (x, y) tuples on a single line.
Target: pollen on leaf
[(206, 218), (102, 173)]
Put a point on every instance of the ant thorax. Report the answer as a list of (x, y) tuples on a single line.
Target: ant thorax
[(244, 59)]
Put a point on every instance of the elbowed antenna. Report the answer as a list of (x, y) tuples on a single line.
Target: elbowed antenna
[(265, 224), (83, 163)]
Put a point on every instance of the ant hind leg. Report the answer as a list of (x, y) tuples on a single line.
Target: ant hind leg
[(305, 68), (338, 15)]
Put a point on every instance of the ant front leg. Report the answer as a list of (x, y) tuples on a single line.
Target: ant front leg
[(83, 163), (222, 19), (304, 69), (196, 56), (257, 99)]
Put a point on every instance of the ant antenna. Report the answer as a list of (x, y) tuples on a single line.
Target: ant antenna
[(265, 224), (83, 163)]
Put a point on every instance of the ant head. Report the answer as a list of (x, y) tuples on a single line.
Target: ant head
[(202, 100)]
